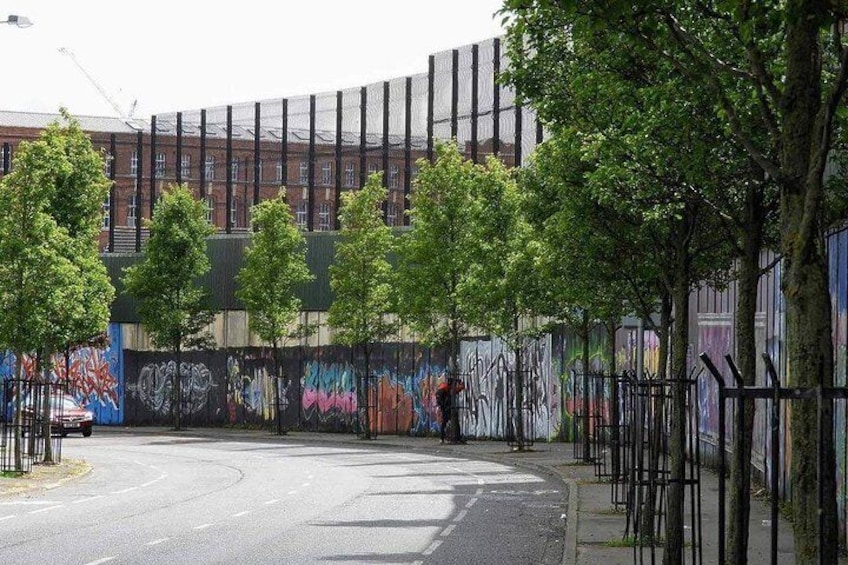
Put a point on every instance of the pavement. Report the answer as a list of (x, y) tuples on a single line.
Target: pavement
[(596, 529)]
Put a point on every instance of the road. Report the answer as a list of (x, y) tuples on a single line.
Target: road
[(165, 498)]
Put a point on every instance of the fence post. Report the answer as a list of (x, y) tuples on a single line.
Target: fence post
[(775, 452), (722, 486)]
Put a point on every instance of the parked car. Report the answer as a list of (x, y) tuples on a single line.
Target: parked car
[(66, 416), (73, 417)]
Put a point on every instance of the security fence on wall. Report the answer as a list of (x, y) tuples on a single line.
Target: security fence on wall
[(318, 145)]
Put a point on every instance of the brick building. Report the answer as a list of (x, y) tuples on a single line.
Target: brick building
[(135, 152)]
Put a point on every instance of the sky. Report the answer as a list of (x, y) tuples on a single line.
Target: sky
[(180, 55)]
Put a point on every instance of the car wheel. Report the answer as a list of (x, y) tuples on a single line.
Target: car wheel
[(86, 432)]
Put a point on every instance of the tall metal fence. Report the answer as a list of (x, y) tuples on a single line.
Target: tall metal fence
[(318, 145)]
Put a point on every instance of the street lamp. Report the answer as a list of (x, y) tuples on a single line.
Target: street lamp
[(19, 21)]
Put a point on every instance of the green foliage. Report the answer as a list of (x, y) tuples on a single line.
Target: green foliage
[(274, 266), (361, 276), (433, 275), (56, 290), (173, 308), (501, 280)]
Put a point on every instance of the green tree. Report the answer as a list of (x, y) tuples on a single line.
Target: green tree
[(502, 274), (173, 307), (40, 284), (361, 280), (76, 204), (274, 266), (775, 74), (433, 275)]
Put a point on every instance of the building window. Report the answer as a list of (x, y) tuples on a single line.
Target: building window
[(304, 173), (393, 176), (107, 212), (107, 165), (391, 214), (414, 172), (210, 210), (301, 214), (324, 217), (234, 170), (234, 213), (350, 174), (160, 165), (372, 168), (280, 171), (260, 170), (131, 210), (327, 174), (186, 166), (209, 168), (134, 163)]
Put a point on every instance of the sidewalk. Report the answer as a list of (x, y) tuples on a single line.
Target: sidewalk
[(595, 531)]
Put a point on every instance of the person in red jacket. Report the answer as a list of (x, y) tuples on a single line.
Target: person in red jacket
[(445, 400)]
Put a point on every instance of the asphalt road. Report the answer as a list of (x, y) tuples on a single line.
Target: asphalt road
[(185, 499)]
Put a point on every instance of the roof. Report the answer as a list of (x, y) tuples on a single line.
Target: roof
[(36, 120)]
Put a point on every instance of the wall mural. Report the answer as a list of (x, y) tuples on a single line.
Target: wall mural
[(93, 376)]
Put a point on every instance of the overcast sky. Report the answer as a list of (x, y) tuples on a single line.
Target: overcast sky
[(174, 55)]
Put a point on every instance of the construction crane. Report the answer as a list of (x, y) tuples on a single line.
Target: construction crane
[(126, 116)]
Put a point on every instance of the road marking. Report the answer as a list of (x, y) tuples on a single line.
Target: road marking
[(202, 527), (479, 492), (304, 485), (9, 517), (471, 503), (157, 541), (242, 513), (51, 486), (99, 561), (29, 503), (292, 492), (460, 516), (89, 499), (125, 490), (46, 509), (432, 547), (274, 501), (447, 531), (310, 477)]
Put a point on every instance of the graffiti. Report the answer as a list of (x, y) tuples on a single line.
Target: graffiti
[(155, 386), (490, 399)]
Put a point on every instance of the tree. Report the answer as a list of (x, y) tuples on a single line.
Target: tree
[(79, 189), (173, 307), (39, 282), (361, 279), (775, 74), (433, 277), (502, 275), (274, 266)]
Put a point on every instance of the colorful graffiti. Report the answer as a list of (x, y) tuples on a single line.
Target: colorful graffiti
[(93, 376)]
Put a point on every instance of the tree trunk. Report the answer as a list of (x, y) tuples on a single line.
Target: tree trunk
[(453, 373), (805, 283), (366, 413), (519, 400), (47, 394), (673, 553), (19, 417), (746, 361), (177, 395), (584, 336), (615, 434), (277, 379)]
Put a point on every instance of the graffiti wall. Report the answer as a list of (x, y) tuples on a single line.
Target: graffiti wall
[(93, 376)]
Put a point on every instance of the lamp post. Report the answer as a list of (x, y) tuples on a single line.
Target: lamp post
[(19, 21)]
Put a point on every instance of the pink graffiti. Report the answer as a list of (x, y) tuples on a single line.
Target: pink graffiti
[(344, 402)]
